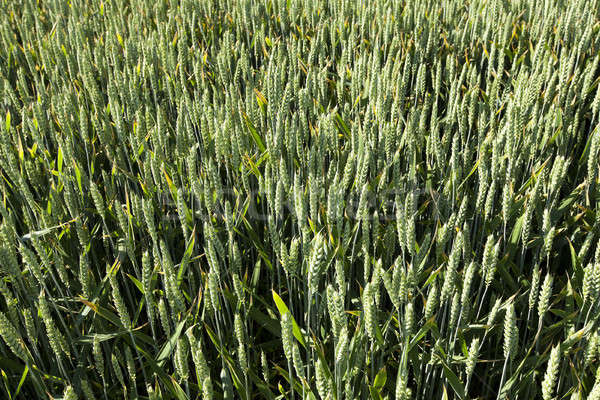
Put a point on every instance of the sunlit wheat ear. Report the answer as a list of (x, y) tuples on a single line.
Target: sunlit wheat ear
[(342, 346), (200, 363), (335, 305), (591, 349), (576, 395), (69, 393), (489, 262), (240, 337), (322, 380), (299, 365), (293, 263), (207, 389), (149, 219), (391, 285), (595, 392), (265, 366), (535, 287), (472, 358), (449, 284), (181, 358), (317, 259), (548, 240), (588, 283), (84, 275), (238, 289), (409, 319), (213, 291), (549, 382), (468, 277), (544, 298), (286, 335), (432, 301), (511, 333), (493, 313), (403, 392), (454, 310)]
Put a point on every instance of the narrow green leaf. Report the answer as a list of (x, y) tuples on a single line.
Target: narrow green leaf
[(283, 309)]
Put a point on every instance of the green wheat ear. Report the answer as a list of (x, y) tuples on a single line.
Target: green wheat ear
[(286, 335), (69, 393), (511, 333), (12, 338), (544, 298), (87, 390), (549, 382), (472, 358)]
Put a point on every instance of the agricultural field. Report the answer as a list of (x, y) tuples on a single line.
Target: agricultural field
[(299, 199)]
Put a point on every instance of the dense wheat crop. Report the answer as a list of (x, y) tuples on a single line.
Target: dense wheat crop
[(292, 199)]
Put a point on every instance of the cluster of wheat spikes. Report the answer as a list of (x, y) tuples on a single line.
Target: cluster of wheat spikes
[(299, 199)]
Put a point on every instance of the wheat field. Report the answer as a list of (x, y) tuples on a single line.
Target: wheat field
[(299, 199)]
